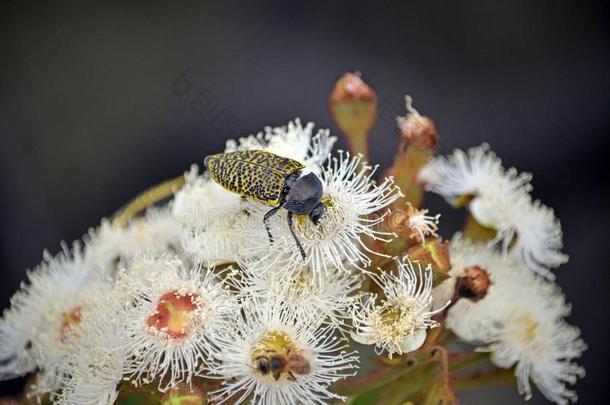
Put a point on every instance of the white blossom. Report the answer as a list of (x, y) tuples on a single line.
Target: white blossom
[(34, 332), (420, 223), (329, 298), (499, 199), (312, 355), (209, 217), (109, 247), (398, 324), (173, 323), (94, 368), (521, 322)]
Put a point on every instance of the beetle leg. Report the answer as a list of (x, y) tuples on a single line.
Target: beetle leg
[(295, 236), (268, 215)]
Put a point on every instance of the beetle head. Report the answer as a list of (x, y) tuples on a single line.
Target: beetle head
[(316, 213), (304, 195)]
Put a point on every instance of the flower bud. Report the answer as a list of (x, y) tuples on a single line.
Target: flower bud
[(434, 252), (417, 147), (353, 105)]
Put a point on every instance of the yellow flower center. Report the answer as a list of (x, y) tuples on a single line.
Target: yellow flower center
[(397, 320), (329, 224), (273, 342), (525, 328)]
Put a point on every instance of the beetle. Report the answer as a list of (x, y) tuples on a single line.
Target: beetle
[(273, 180)]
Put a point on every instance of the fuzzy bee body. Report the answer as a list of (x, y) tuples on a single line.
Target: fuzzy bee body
[(279, 364), (254, 174)]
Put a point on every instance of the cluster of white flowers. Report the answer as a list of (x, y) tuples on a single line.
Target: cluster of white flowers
[(196, 291), (520, 320)]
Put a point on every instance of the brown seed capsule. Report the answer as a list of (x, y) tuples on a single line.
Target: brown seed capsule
[(474, 284)]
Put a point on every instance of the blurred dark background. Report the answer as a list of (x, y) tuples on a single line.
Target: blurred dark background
[(90, 113)]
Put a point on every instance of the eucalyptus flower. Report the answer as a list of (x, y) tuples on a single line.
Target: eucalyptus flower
[(521, 322), (35, 331), (276, 356), (399, 323), (420, 223), (499, 199), (328, 298), (109, 246), (292, 141), (209, 217), (94, 367), (173, 323)]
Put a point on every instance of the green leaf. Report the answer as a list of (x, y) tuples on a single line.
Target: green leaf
[(367, 398), (404, 388), (407, 164), (386, 372), (438, 391)]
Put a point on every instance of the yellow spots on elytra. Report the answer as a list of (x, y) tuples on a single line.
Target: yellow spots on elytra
[(255, 174)]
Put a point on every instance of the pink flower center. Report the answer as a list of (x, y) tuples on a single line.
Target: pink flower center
[(172, 314)]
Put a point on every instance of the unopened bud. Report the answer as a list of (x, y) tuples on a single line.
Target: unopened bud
[(473, 285), (434, 252), (353, 105)]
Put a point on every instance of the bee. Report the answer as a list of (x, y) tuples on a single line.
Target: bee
[(274, 180), (276, 364)]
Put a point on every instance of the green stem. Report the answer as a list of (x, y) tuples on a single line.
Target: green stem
[(146, 199), (358, 143), (477, 232), (467, 361), (495, 376)]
